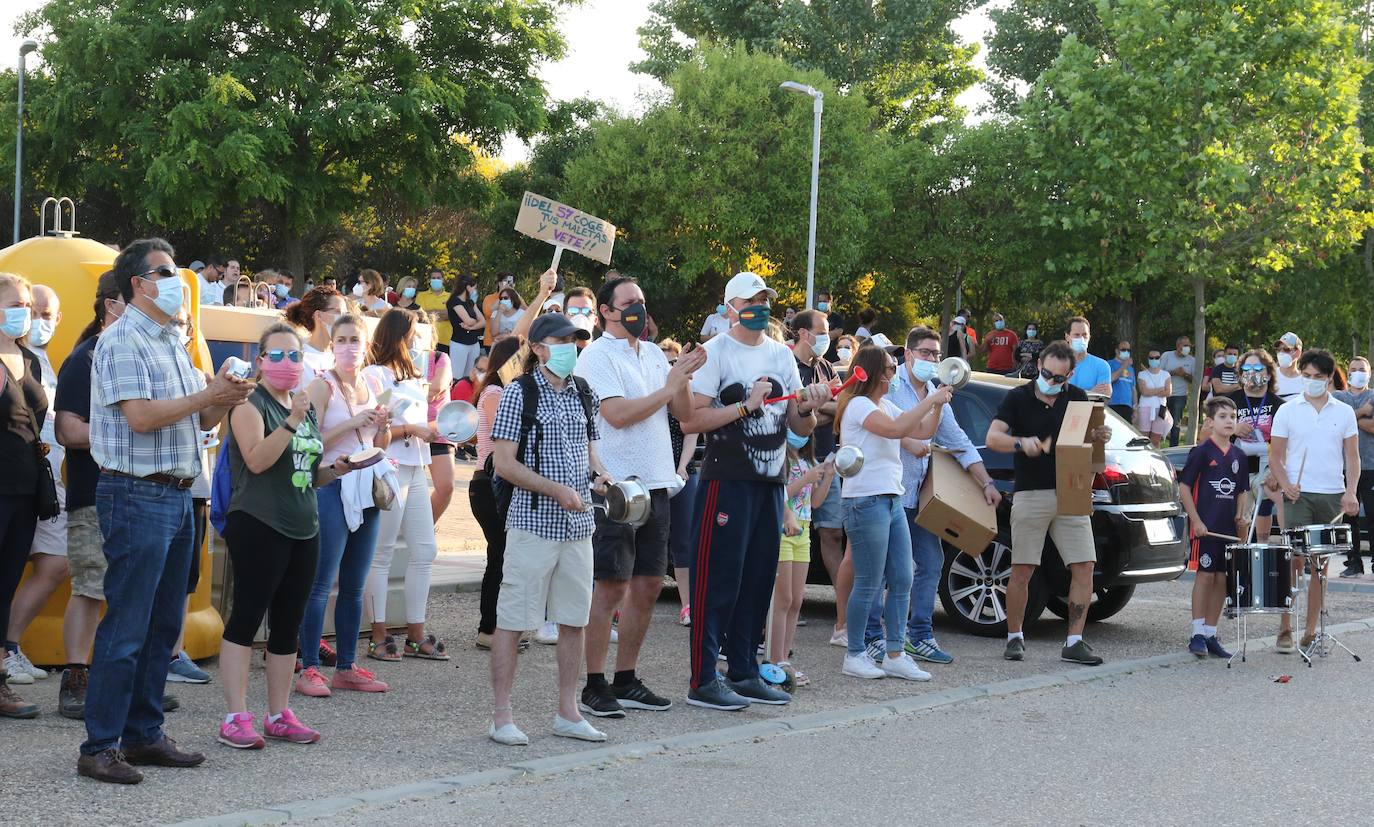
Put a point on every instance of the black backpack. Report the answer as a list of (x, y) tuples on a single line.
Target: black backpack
[(529, 424)]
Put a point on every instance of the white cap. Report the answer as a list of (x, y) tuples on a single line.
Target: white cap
[(746, 285), (881, 340)]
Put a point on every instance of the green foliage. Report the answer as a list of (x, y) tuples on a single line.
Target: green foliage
[(1026, 38)]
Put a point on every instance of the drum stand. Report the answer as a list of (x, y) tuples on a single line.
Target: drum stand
[(1323, 641)]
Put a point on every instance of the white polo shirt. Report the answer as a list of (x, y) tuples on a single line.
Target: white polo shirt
[(715, 325), (1316, 442), (616, 371)]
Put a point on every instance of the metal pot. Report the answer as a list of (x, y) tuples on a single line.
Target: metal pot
[(848, 460), (954, 371), (625, 502), (456, 421)]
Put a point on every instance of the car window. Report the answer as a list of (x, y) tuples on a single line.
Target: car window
[(973, 416)]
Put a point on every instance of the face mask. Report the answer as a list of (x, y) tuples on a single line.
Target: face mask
[(437, 285), (417, 356), (16, 322), (1187, 349), (824, 307), (1285, 360), (922, 370), (183, 336), (408, 292), (562, 359), (472, 293), (1219, 360), (348, 356), (582, 322), (1314, 388), (1030, 332), (1046, 388), (1123, 355), (1256, 378), (283, 375), (999, 324), (1154, 363), (797, 441), (843, 353), (720, 308), (506, 304), (168, 294), (1079, 345), (481, 374), (634, 319), (282, 292), (754, 316), (360, 289), (41, 332), (309, 285), (822, 344), (1231, 358), (1359, 378)]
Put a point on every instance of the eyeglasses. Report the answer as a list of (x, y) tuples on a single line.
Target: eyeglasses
[(164, 271), (578, 311), (1053, 378), (929, 354), (278, 355)]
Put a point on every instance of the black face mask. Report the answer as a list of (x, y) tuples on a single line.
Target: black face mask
[(634, 319)]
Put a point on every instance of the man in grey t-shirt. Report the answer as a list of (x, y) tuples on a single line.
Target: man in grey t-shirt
[(1180, 364)]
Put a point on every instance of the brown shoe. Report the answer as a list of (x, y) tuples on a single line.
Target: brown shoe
[(13, 706), (164, 753), (1283, 644), (1307, 640), (108, 766)]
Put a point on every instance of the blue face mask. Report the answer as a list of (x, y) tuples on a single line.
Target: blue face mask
[(506, 304), (41, 332), (168, 294), (16, 322), (922, 370), (562, 359), (437, 285), (999, 324), (822, 345), (1046, 388), (797, 441), (282, 292), (824, 307), (417, 357), (408, 292), (1154, 363), (1079, 345), (720, 308)]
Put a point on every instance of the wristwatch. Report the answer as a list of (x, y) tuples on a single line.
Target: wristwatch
[(1017, 445)]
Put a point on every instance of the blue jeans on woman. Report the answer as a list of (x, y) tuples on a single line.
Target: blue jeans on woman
[(927, 559), (877, 529), (346, 555)]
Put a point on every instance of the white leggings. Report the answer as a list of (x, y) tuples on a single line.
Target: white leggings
[(463, 358), (410, 513)]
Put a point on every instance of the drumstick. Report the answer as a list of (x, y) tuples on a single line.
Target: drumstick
[(1221, 536), (856, 375), (1301, 466)]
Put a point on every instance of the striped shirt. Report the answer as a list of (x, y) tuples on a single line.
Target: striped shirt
[(136, 358)]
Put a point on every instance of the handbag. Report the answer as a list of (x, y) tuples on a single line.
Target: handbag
[(382, 495), (45, 504)]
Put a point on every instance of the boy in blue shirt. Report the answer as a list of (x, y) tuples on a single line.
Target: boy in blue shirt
[(1212, 482)]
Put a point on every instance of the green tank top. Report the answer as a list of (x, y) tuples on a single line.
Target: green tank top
[(283, 496)]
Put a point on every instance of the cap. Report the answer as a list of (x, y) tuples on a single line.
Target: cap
[(960, 320), (196, 266), (881, 340), (1290, 338), (747, 285), (555, 326)]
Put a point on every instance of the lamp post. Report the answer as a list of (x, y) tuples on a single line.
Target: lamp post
[(817, 106), (24, 48)]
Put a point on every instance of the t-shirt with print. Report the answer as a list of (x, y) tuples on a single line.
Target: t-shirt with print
[(1123, 389), (752, 448), (1226, 375), (800, 505), (1027, 354), (1258, 412), (1217, 478), (615, 370), (1001, 350), (282, 496)]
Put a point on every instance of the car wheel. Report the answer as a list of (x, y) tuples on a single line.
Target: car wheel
[(1105, 602), (973, 590)]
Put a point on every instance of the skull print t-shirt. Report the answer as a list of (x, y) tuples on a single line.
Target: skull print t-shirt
[(752, 448)]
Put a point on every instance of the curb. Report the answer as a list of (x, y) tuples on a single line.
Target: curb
[(433, 788), (1336, 586)]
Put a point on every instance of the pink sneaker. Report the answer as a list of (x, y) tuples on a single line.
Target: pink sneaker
[(239, 733), (312, 684), (289, 728), (357, 679)]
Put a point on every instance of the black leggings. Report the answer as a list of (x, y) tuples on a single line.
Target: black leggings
[(272, 577), (483, 504), (201, 510), (18, 519)]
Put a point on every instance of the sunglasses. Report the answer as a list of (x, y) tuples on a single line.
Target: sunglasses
[(578, 311), (278, 355), (1053, 378), (164, 271), (1252, 368)]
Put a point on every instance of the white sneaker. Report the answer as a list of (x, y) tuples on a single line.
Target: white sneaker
[(840, 638), (17, 674), (29, 667), (861, 666), (508, 735), (547, 634), (581, 730), (904, 667)]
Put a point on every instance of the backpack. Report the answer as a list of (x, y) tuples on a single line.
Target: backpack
[(220, 487), (502, 489)]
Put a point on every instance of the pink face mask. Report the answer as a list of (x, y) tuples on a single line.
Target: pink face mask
[(347, 356), (283, 375)]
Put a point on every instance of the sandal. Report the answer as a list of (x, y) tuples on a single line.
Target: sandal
[(387, 650), (435, 651)]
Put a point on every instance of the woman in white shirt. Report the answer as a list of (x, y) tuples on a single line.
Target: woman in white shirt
[(316, 313), (510, 309), (1152, 416), (370, 292), (873, 515)]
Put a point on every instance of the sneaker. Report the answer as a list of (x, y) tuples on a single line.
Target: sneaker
[(238, 732), (905, 668), (876, 649), (1197, 645), (599, 700), (289, 728), (840, 637), (684, 617), (801, 621), (328, 656), (577, 730), (71, 696), (1080, 653), (356, 679), (861, 666), (508, 735), (1352, 571), (312, 684), (13, 706), (717, 695), (635, 695), (1283, 644), (758, 692), (483, 641), (184, 670), (547, 634), (14, 667), (27, 665), (1214, 648), (1016, 649), (928, 650)]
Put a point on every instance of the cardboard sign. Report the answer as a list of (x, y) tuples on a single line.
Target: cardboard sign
[(565, 228), (952, 506), (1077, 459)]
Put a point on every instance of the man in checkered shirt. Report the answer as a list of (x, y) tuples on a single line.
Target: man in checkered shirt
[(548, 565)]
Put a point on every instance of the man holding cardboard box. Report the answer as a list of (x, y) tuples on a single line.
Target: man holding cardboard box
[(1049, 498)]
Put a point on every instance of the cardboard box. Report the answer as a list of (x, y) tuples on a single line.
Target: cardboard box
[(1078, 460), (952, 506)]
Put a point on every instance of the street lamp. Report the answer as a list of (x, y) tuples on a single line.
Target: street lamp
[(24, 48), (817, 105)]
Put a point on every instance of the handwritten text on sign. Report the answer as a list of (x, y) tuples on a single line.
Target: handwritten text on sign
[(547, 220)]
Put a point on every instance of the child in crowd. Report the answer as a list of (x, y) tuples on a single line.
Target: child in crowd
[(808, 483), (1212, 482)]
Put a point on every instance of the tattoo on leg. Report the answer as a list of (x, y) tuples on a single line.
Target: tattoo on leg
[(1076, 611)]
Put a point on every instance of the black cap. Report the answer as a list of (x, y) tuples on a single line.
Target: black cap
[(555, 326)]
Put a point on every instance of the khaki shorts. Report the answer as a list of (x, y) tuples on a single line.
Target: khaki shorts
[(50, 536), (86, 553), (544, 580), (1313, 509), (796, 549), (1035, 513)]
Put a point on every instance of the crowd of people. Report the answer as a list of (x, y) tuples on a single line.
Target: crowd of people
[(331, 453)]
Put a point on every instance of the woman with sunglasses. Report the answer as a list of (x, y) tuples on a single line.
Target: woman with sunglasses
[(1256, 403), (393, 367), (873, 514), (272, 531)]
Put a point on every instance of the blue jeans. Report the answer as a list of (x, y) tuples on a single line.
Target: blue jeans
[(877, 529), (927, 559), (149, 532), (346, 556)]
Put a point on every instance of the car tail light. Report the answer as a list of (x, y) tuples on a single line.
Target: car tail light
[(1104, 481)]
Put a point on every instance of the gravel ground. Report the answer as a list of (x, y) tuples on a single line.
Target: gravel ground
[(434, 721)]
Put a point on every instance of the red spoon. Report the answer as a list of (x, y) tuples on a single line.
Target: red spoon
[(858, 374)]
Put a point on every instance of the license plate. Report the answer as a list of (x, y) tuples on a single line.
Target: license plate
[(1159, 531)]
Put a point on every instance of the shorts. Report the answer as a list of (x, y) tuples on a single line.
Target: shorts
[(1035, 513), (1313, 509), (544, 579), (1267, 504), (796, 549), (437, 449), (50, 536), (829, 514), (622, 551), (86, 553), (1210, 555), (1156, 424)]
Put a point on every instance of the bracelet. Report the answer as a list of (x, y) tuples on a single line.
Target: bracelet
[(989, 484), (743, 410)]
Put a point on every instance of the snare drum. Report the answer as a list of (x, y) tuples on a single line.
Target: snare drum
[(1320, 540), (1259, 578)]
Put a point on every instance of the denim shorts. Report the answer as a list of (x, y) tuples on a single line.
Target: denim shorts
[(829, 513)]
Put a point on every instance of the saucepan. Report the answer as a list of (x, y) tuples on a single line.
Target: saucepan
[(625, 502), (848, 460), (954, 371), (456, 421)]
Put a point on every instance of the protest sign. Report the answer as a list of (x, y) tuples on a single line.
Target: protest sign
[(565, 228)]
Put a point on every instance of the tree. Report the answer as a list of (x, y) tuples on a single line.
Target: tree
[(185, 114), (1026, 38)]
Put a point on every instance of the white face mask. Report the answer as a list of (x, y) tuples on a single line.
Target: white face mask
[(1285, 360), (843, 353), (1314, 388), (360, 289), (1359, 378)]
